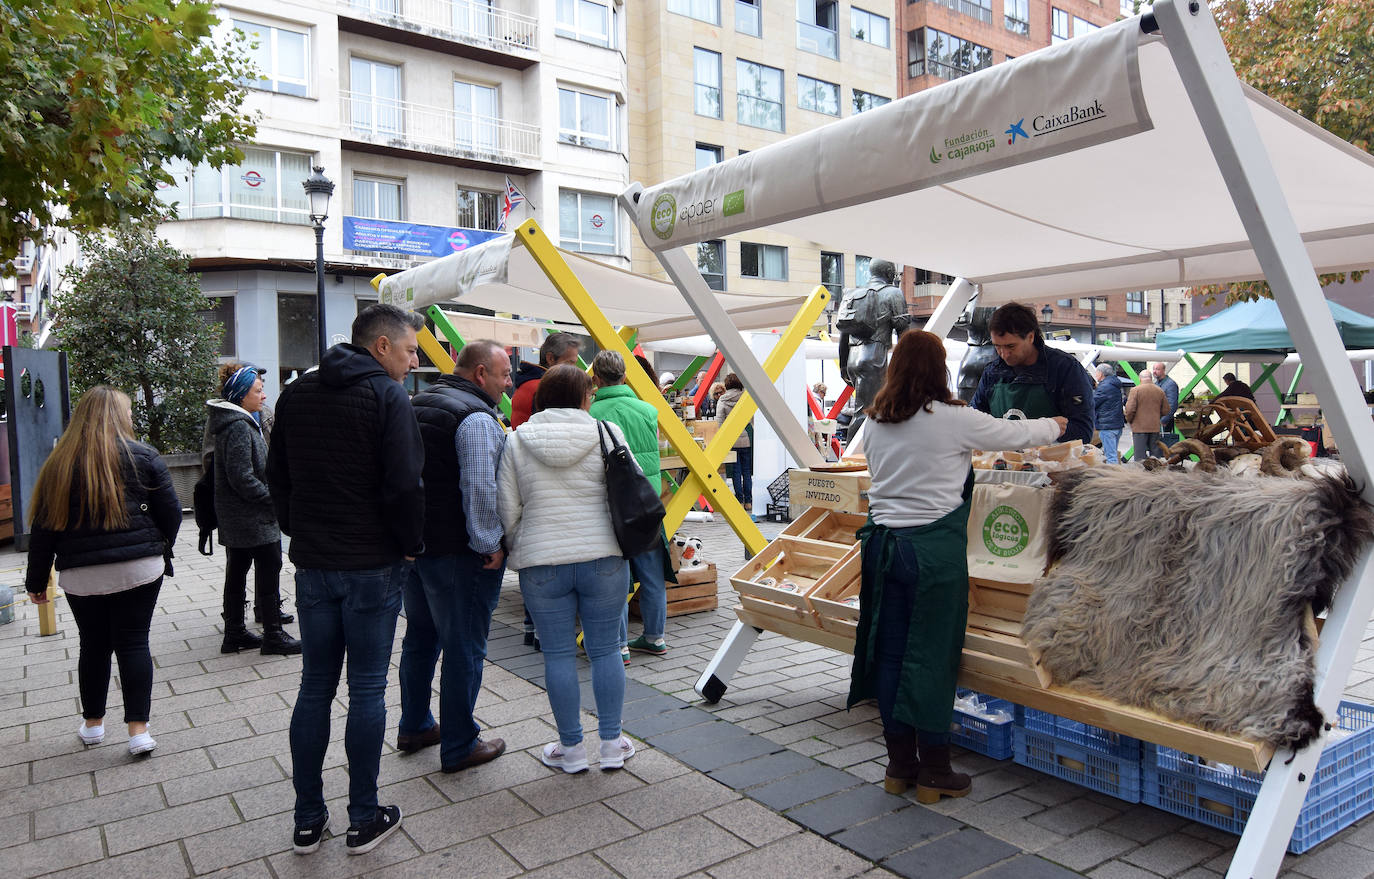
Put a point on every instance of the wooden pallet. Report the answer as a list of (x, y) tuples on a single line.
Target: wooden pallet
[(695, 591)]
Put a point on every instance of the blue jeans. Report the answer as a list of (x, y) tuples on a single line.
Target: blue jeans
[(742, 476), (1111, 440), (449, 600), (647, 569), (556, 595), (353, 613)]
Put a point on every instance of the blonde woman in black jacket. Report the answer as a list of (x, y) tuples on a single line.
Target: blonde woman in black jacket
[(104, 509)]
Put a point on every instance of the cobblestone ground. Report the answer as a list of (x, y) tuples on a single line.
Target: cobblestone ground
[(774, 780)]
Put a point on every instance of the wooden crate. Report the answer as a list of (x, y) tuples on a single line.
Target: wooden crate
[(797, 559), (994, 598), (694, 591), (835, 491), (832, 526), (828, 598)]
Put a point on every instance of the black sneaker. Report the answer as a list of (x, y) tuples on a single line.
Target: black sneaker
[(362, 840), (306, 840)]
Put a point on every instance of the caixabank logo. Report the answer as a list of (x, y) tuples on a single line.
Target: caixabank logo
[(1071, 117)]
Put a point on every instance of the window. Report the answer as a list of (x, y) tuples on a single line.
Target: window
[(867, 101), (297, 338), (702, 10), (759, 96), (767, 261), (221, 311), (1135, 302), (935, 53), (926, 276), (818, 95), (281, 56), (1064, 303), (377, 199), (707, 155), (1082, 26), (265, 186), (586, 222), (748, 19), (590, 21), (472, 17), (1059, 25), (711, 263), (376, 103), (869, 27), (475, 123), (818, 27), (586, 119), (832, 274), (979, 9), (479, 210), (706, 65), (861, 275), (1016, 16)]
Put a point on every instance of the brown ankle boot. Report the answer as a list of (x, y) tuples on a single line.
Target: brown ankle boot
[(902, 763), (936, 778)]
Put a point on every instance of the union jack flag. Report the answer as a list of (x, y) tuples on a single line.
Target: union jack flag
[(512, 198)]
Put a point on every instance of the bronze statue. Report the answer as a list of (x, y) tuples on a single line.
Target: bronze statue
[(980, 351), (868, 319)]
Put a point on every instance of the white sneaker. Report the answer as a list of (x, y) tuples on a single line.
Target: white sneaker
[(141, 744), (614, 754), (570, 759), (91, 735)]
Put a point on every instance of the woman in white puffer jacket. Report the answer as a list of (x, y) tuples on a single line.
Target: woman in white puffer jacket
[(559, 537)]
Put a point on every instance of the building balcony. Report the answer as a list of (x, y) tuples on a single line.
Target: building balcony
[(965, 7), (456, 27), (817, 40), (389, 127)]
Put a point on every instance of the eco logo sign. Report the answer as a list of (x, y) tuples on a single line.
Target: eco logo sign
[(1005, 532), (664, 216), (734, 203), (964, 146)]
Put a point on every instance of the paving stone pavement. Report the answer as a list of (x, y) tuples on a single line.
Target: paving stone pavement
[(776, 779)]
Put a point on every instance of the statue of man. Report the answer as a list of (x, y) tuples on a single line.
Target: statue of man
[(867, 320)]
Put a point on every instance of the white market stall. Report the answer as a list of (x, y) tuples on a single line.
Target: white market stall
[(1130, 158)]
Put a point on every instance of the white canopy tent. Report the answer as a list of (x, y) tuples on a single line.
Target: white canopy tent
[(1120, 160), (502, 276)]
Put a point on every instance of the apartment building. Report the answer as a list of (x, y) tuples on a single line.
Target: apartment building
[(946, 39), (420, 112), (714, 79)]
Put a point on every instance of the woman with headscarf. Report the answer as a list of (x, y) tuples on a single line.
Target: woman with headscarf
[(247, 523)]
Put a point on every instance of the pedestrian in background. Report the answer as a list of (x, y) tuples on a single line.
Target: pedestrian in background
[(742, 471), (243, 505), (557, 348), (1145, 406), (1170, 389), (105, 512), (1107, 415), (344, 470), (559, 534)]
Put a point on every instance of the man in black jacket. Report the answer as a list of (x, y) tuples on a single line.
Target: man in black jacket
[(456, 584), (344, 470)]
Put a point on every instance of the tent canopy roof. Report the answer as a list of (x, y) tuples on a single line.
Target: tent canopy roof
[(1258, 326), (502, 276), (1079, 168)]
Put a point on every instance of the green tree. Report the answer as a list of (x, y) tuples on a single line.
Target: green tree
[(96, 96), (132, 320), (1312, 56)]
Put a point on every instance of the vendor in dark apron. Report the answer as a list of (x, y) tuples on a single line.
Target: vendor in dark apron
[(913, 598)]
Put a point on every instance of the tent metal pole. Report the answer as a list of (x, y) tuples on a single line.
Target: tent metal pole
[(1214, 91), (713, 316)]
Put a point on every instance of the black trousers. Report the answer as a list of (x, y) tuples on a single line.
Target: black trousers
[(266, 563), (118, 624)]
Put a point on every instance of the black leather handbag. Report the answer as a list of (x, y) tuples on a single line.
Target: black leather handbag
[(636, 510)]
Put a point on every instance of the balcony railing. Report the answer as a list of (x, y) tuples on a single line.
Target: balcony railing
[(819, 40), (748, 21), (23, 265), (1016, 25), (964, 7), (475, 24), (404, 125)]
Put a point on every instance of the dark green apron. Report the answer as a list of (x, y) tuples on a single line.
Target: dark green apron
[(1031, 398), (935, 637)]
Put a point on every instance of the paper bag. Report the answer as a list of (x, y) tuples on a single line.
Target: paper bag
[(1007, 532)]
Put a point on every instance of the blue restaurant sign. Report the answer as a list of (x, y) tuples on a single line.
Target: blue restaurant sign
[(410, 238)]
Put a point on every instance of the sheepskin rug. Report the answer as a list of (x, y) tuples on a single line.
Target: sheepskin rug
[(1183, 593)]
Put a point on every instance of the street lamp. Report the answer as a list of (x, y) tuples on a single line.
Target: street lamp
[(1046, 315), (318, 188)]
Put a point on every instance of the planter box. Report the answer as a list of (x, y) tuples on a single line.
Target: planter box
[(694, 590), (185, 470)]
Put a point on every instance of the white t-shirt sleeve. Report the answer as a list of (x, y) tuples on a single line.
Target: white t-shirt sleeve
[(982, 431)]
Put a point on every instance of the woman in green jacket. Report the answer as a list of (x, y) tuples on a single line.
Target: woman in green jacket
[(616, 402)]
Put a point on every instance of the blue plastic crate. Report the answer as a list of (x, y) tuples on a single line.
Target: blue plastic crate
[(1083, 735), (988, 737), (1116, 775), (1342, 789)]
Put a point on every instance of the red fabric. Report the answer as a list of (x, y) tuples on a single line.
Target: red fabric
[(522, 402)]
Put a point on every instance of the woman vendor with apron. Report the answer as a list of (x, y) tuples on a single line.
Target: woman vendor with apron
[(1030, 378), (914, 592)]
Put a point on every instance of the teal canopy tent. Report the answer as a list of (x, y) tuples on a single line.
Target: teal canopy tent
[(1258, 327)]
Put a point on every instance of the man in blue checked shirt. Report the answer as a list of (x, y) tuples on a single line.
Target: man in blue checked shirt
[(456, 582)]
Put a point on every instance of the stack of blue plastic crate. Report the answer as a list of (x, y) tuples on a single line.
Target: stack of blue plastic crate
[(1086, 755)]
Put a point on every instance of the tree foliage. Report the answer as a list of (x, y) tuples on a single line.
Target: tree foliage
[(131, 320), (96, 96), (1314, 57)]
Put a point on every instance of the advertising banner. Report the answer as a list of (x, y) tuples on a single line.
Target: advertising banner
[(414, 239)]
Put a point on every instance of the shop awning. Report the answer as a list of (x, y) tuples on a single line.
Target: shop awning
[(502, 276), (1258, 326), (1080, 168)]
